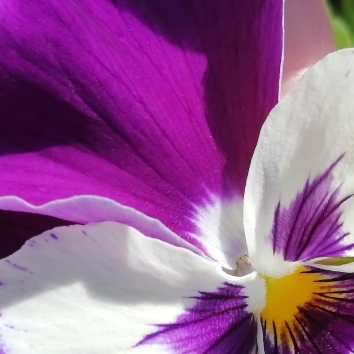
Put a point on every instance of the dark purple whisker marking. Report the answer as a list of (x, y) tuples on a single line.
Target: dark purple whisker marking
[(314, 224), (14, 265), (311, 220), (325, 324), (310, 227), (293, 337), (55, 237), (225, 335), (324, 329), (341, 277), (275, 337), (217, 323)]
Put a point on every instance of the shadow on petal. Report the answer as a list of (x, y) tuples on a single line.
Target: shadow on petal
[(17, 227)]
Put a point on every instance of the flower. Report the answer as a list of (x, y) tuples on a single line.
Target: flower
[(150, 106)]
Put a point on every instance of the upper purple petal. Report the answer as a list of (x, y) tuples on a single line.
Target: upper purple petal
[(154, 104)]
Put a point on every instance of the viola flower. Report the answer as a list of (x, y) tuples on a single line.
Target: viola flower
[(118, 290), (145, 115)]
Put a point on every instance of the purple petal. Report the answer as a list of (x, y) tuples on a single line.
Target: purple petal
[(217, 323), (155, 105), (311, 226), (16, 228), (322, 325)]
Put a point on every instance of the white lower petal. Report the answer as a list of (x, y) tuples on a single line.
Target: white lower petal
[(101, 288)]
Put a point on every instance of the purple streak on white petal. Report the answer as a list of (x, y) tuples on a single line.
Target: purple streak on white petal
[(154, 104), (311, 226), (218, 323)]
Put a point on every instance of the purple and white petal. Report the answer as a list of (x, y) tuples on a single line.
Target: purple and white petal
[(155, 106), (298, 201), (218, 322), (322, 324), (106, 288)]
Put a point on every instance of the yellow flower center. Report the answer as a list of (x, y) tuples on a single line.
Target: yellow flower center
[(285, 295)]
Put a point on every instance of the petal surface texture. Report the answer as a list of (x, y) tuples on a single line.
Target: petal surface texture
[(308, 37), (106, 288), (156, 105), (298, 201)]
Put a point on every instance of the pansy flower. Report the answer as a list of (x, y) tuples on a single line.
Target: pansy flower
[(137, 121)]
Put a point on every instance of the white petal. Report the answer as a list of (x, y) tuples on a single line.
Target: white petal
[(304, 138), (220, 223), (260, 340), (102, 288)]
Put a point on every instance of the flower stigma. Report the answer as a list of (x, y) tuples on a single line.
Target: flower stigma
[(243, 266)]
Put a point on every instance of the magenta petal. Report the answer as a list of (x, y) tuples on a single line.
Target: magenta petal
[(154, 104)]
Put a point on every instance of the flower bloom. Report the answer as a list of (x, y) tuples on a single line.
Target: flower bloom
[(143, 118)]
